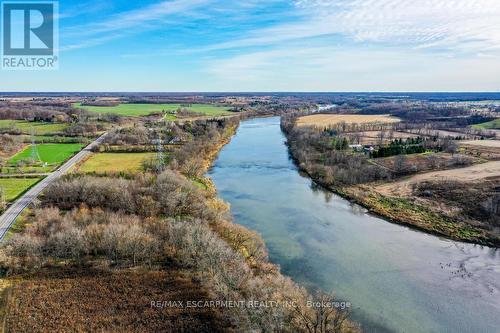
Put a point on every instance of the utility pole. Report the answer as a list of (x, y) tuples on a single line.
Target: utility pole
[(35, 157), (160, 163)]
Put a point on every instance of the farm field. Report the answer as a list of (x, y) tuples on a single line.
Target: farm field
[(483, 143), (325, 120), (14, 187), (93, 301), (50, 153), (138, 110), (115, 162), (40, 128), (373, 137), (422, 162), (494, 124), (444, 134), (475, 172)]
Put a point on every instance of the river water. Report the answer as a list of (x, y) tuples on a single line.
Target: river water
[(397, 279)]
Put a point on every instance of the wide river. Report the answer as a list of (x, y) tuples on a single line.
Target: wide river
[(397, 279)]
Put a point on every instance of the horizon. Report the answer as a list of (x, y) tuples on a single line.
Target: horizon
[(248, 92)]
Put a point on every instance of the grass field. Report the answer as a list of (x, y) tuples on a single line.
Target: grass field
[(325, 120), (40, 128), (137, 110), (494, 124), (14, 187), (115, 162), (50, 153)]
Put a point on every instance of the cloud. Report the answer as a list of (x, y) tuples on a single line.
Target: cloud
[(334, 68), (472, 25), (130, 22)]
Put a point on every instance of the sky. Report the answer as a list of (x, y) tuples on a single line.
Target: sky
[(272, 45)]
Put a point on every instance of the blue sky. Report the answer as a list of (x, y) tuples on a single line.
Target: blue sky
[(273, 45)]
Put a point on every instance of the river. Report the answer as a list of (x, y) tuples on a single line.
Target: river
[(397, 279)]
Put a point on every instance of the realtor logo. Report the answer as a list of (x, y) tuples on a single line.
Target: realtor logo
[(29, 35)]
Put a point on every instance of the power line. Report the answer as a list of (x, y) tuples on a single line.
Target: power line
[(35, 157), (160, 158)]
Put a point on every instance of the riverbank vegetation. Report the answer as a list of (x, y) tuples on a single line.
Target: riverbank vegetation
[(373, 173)]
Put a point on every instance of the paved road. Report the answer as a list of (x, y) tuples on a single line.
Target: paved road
[(11, 214)]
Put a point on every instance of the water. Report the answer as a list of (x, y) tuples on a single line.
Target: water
[(397, 279)]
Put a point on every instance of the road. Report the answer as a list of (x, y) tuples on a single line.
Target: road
[(11, 214)]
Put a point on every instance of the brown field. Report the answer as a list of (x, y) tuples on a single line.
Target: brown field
[(486, 149), (325, 120), (373, 137), (484, 171), (443, 133), (483, 143), (11, 154), (423, 162), (107, 302)]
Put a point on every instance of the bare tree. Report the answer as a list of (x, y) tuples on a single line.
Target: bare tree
[(2, 199), (400, 164)]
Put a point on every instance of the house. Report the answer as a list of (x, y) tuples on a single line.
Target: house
[(175, 140), (357, 148), (369, 149)]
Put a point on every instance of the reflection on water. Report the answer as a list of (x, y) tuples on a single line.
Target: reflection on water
[(397, 279)]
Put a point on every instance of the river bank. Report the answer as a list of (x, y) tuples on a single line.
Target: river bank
[(397, 279), (333, 169), (408, 213)]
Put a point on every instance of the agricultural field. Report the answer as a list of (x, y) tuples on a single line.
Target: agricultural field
[(115, 162), (375, 137), (326, 120), (494, 124), (424, 162), (138, 110), (14, 187), (486, 149), (39, 128), (50, 153), (483, 143), (94, 301), (474, 173), (445, 134)]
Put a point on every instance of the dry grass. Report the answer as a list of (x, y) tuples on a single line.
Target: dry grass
[(476, 172), (422, 162), (326, 120), (107, 302), (483, 143), (486, 149), (373, 137)]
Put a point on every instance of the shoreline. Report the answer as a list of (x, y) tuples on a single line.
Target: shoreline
[(347, 193)]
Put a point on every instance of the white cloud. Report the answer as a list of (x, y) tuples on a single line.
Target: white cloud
[(462, 25), (130, 22), (327, 68)]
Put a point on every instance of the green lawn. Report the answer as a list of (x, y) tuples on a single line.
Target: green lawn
[(40, 128), (14, 187), (50, 153), (115, 162), (494, 124), (137, 110)]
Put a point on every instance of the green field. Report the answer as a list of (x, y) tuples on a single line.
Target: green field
[(115, 162), (40, 128), (494, 124), (137, 110), (50, 153), (14, 187)]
